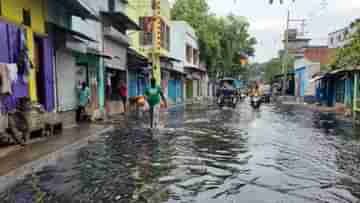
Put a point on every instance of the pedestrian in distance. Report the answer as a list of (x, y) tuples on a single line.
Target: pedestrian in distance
[(153, 96), (84, 100), (123, 92)]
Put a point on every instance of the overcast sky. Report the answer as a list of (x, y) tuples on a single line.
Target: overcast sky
[(268, 21)]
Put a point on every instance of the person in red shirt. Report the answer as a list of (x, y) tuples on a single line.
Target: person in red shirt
[(123, 90)]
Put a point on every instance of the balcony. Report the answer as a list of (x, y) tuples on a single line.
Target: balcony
[(117, 36)]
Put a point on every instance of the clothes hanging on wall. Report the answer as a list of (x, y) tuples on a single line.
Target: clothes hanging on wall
[(24, 63), (13, 71), (5, 81)]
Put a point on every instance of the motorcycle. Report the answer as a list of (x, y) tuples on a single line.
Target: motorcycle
[(255, 102), (242, 96), (229, 101)]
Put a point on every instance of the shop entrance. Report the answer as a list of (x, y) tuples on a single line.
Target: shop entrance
[(40, 70)]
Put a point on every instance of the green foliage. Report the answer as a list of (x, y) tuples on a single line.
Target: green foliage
[(348, 56), (221, 39), (274, 67)]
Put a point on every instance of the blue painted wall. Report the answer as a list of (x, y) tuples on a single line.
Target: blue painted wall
[(175, 88), (300, 75)]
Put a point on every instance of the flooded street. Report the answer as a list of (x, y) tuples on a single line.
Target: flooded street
[(208, 155)]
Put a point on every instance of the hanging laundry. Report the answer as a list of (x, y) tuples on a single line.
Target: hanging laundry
[(13, 71), (5, 81), (24, 62)]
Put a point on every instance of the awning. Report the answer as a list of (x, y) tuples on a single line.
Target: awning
[(194, 68), (115, 63), (317, 78), (99, 54), (69, 31), (174, 70), (136, 60), (76, 8), (169, 58), (120, 19), (337, 71)]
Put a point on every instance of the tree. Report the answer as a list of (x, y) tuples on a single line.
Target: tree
[(274, 67), (235, 41), (349, 56), (221, 39)]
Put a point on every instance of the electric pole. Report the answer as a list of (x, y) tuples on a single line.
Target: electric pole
[(285, 55)]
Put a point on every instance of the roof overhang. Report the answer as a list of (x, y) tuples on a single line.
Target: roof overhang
[(174, 70), (169, 59), (194, 68), (98, 54), (76, 8), (120, 19), (69, 31), (134, 59)]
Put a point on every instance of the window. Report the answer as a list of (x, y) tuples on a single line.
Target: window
[(146, 36), (339, 38), (27, 17), (163, 34), (189, 54), (196, 57), (331, 40), (111, 5), (346, 33), (167, 38)]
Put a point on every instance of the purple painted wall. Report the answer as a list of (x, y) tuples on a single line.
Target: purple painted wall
[(4, 53), (48, 53)]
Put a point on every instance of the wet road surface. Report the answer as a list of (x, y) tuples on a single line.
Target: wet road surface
[(208, 155)]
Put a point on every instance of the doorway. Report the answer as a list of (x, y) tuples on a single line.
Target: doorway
[(39, 70)]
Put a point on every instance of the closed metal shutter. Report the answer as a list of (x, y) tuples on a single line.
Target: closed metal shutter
[(68, 76)]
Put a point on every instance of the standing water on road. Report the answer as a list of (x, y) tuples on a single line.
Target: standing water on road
[(276, 154)]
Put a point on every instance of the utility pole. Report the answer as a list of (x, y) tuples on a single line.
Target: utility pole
[(156, 72), (285, 55)]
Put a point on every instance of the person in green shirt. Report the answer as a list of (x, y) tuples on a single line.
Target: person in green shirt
[(84, 98), (153, 96)]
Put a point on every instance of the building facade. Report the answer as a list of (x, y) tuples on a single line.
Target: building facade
[(141, 11), (307, 67), (185, 47), (68, 45), (106, 59), (24, 42)]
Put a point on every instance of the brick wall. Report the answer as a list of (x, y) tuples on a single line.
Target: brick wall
[(319, 54)]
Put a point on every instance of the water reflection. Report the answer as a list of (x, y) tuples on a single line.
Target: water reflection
[(209, 155)]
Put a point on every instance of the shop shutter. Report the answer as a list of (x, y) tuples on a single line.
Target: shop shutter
[(141, 86), (68, 76), (132, 84), (179, 95), (172, 90), (195, 88), (189, 89)]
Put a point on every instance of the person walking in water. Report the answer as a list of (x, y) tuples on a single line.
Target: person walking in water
[(84, 98), (123, 90), (153, 96)]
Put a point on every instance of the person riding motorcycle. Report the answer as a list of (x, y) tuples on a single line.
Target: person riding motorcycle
[(255, 91)]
